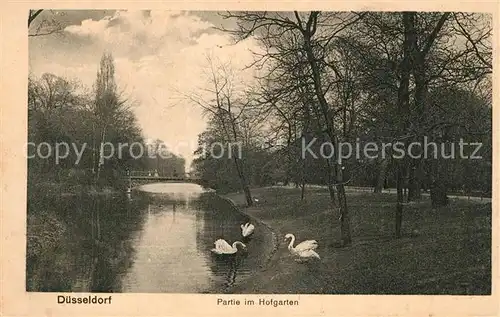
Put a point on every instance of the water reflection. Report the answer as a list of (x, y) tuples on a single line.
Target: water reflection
[(158, 243), (229, 266), (94, 247), (173, 248), (112, 248)]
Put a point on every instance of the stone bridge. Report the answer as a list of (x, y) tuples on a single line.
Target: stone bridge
[(142, 178)]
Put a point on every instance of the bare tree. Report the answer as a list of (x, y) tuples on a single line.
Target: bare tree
[(228, 109), (313, 32), (32, 15), (418, 52), (43, 22), (107, 107)]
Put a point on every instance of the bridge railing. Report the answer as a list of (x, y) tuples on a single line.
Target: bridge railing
[(151, 173), (147, 174)]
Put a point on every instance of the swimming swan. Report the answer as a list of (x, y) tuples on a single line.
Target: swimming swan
[(222, 247), (247, 229), (304, 249)]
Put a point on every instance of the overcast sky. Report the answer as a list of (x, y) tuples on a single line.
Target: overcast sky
[(157, 55)]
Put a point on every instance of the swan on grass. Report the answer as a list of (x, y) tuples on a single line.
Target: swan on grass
[(303, 250), (222, 247), (247, 229)]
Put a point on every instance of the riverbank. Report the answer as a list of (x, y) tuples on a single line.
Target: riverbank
[(65, 232), (269, 235), (69, 189), (442, 251)]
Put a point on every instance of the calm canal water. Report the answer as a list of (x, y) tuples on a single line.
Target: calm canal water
[(158, 240)]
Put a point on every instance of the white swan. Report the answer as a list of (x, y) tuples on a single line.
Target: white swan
[(305, 249), (247, 229), (222, 247)]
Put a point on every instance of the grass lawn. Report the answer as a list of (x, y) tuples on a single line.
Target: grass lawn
[(442, 251)]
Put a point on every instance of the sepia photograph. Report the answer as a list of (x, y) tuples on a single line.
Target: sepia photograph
[(258, 152)]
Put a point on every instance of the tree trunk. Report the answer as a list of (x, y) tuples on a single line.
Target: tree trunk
[(402, 191), (403, 107), (331, 181), (307, 118), (318, 88), (303, 191), (290, 151), (419, 67), (399, 204), (439, 197), (379, 184), (345, 221), (244, 183), (100, 163), (94, 164), (303, 180), (237, 162), (416, 179)]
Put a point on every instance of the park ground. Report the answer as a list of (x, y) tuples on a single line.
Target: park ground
[(442, 251)]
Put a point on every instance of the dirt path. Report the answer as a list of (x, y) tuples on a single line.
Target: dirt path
[(394, 191)]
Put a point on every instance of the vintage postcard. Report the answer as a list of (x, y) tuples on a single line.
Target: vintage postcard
[(250, 158)]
